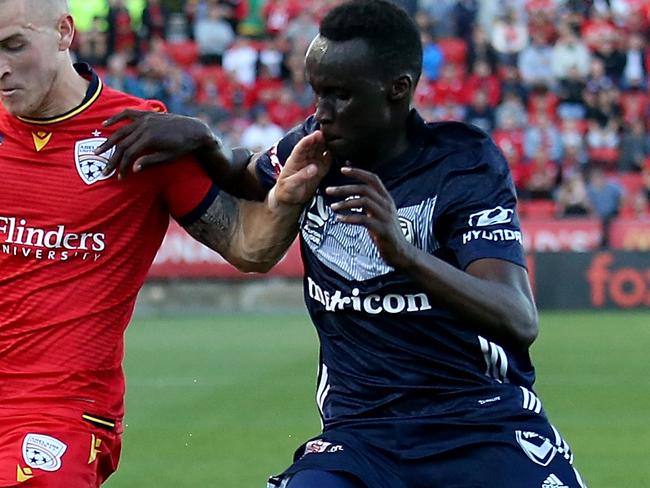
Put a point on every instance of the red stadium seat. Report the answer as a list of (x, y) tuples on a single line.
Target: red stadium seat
[(184, 53), (537, 209), (454, 50), (631, 182)]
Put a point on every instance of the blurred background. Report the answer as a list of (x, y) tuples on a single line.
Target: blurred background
[(221, 366)]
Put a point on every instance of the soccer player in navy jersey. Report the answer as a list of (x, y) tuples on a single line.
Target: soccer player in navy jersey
[(415, 276)]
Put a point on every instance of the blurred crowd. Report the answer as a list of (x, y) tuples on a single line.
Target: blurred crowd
[(562, 85)]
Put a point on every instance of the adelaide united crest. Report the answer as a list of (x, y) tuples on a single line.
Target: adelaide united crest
[(90, 165)]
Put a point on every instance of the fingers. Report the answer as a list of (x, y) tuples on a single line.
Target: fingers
[(128, 114), (115, 138), (365, 176), (310, 149), (149, 160), (125, 154)]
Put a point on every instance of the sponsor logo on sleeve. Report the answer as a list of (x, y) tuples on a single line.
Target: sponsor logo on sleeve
[(43, 452), (486, 218), (320, 446), (498, 215)]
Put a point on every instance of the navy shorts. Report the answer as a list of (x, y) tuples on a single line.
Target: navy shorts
[(530, 455)]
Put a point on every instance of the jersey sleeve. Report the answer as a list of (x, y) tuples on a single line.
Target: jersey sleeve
[(186, 189), (479, 218), (270, 163)]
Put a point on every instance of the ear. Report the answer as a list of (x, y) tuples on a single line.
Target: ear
[(65, 27), (401, 88)]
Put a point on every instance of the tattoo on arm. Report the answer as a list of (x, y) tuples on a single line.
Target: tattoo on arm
[(217, 226)]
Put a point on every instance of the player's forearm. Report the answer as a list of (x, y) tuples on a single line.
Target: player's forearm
[(252, 236), (229, 168), (265, 232), (497, 309)]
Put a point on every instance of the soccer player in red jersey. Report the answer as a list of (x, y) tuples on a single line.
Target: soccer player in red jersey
[(75, 246)]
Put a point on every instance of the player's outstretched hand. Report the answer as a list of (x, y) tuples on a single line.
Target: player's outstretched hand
[(151, 138), (369, 204), (306, 166)]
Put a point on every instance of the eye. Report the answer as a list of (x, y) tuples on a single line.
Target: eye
[(342, 94), (13, 45)]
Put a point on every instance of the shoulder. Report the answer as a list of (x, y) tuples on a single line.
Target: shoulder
[(466, 146), (118, 100)]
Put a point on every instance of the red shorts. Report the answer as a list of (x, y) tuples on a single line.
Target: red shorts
[(48, 450)]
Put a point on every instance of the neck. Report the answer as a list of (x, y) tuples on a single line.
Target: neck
[(390, 145), (67, 92)]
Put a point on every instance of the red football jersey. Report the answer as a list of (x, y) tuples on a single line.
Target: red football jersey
[(74, 251)]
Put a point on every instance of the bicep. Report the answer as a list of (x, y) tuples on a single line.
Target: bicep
[(503, 272)]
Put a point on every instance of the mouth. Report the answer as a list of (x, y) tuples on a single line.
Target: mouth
[(329, 139), (7, 92)]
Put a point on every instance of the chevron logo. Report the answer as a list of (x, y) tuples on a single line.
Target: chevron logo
[(41, 139), (23, 474)]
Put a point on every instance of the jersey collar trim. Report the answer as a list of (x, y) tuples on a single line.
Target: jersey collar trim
[(92, 93)]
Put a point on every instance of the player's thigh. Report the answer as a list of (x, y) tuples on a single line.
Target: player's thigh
[(43, 452), (312, 478)]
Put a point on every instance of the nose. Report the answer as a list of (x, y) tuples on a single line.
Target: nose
[(5, 69), (324, 111)]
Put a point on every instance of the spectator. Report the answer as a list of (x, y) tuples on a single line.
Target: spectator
[(121, 36), (511, 82), (154, 20), (511, 111), (241, 59), (479, 112), (635, 70), (480, 49), (213, 35), (570, 91), (634, 146), (482, 79), (118, 78), (465, 13), (541, 178), (572, 199), (272, 55), (93, 44), (261, 134), (509, 38), (613, 59), (301, 30), (440, 14), (432, 57), (605, 197), (278, 13), (570, 54), (449, 88), (284, 111), (535, 63), (264, 90), (180, 91), (543, 137)]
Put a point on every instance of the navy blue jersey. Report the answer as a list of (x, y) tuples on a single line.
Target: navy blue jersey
[(388, 350)]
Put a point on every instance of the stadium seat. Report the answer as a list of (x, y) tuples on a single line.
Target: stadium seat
[(631, 182), (604, 156), (183, 53), (453, 49), (537, 209)]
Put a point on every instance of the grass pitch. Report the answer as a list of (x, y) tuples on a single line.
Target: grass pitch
[(222, 401)]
